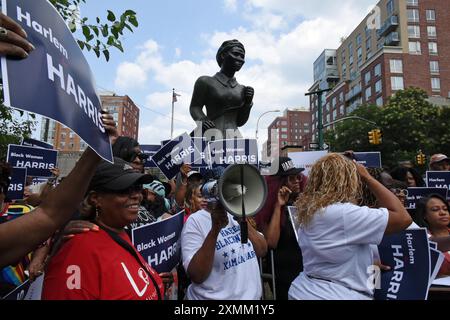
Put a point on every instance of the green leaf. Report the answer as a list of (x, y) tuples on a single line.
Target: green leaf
[(81, 44), (133, 21), (111, 16), (106, 54), (96, 30), (86, 32), (105, 30)]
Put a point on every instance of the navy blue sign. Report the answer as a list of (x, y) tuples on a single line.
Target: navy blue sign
[(17, 185), (55, 80), (38, 161), (150, 150), (233, 151), (159, 242), (415, 194), (174, 153), (408, 255), (438, 179), (36, 143), (369, 159)]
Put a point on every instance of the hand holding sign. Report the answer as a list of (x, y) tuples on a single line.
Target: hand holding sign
[(13, 38)]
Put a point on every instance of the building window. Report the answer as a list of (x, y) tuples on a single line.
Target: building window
[(62, 145), (350, 59), (435, 84), (431, 15), (359, 52), (284, 123), (431, 30), (379, 102), (413, 32), (413, 15), (341, 109), (397, 83), (390, 7), (378, 86), (434, 67), (283, 129), (63, 136), (414, 47), (358, 40), (284, 136), (432, 48), (412, 2), (334, 114), (396, 66), (377, 70), (367, 78), (341, 96), (368, 93), (368, 44)]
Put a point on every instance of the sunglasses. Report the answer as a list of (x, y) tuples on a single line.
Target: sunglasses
[(399, 192), (142, 156)]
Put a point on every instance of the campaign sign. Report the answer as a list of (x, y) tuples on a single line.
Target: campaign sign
[(368, 159), (38, 161), (17, 185), (36, 143), (159, 242), (55, 81), (38, 180), (233, 151), (415, 194), (438, 179), (150, 150), (174, 153), (204, 161), (408, 255), (306, 159)]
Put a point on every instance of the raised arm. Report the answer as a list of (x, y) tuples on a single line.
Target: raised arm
[(399, 218), (22, 235)]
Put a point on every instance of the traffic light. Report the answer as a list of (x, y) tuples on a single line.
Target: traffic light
[(421, 159), (375, 136), (378, 136)]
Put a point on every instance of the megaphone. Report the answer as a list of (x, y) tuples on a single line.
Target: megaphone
[(241, 190)]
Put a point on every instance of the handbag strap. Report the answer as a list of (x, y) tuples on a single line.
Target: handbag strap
[(133, 252)]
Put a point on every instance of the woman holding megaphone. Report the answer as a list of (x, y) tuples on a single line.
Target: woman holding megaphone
[(219, 265)]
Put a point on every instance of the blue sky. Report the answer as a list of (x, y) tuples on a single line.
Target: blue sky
[(177, 40)]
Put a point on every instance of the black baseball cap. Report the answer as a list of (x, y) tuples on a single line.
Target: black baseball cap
[(286, 167), (117, 176)]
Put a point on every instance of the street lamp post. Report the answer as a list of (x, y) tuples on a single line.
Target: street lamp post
[(320, 122), (257, 122)]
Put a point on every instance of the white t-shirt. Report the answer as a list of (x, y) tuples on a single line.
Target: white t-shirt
[(336, 247), (235, 273)]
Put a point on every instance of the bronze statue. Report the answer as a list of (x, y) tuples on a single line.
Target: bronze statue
[(227, 102)]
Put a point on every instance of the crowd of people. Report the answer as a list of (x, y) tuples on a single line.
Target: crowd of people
[(81, 226)]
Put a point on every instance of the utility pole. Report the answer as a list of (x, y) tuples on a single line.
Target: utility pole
[(320, 121)]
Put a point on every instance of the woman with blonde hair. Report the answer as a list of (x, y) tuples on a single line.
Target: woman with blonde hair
[(335, 233)]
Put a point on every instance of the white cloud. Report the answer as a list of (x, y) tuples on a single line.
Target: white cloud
[(177, 52), (130, 75), (230, 5)]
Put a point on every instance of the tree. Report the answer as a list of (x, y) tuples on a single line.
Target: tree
[(409, 122), (98, 37)]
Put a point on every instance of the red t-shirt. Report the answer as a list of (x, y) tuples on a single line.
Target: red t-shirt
[(93, 266)]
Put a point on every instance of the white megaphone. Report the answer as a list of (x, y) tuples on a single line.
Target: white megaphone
[(241, 190)]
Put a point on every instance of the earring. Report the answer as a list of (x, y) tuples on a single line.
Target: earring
[(97, 212)]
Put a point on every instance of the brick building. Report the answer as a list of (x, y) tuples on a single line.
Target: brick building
[(403, 43), (292, 131)]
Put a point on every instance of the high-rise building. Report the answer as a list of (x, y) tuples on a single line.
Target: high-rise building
[(402, 43), (292, 130), (123, 109)]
